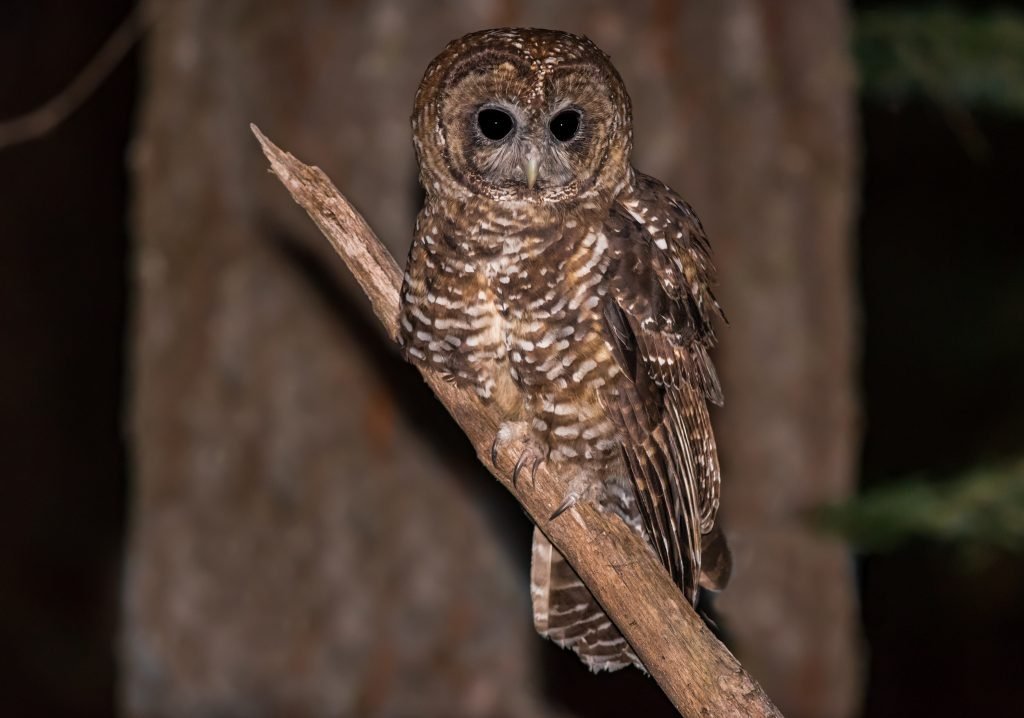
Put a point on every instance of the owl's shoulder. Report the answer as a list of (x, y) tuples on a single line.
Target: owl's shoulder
[(650, 209), (662, 273)]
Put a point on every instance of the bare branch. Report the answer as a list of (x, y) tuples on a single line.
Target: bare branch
[(698, 673), (33, 125)]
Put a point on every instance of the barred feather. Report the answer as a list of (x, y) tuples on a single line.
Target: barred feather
[(658, 318)]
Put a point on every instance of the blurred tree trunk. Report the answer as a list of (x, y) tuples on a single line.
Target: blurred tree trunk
[(308, 538)]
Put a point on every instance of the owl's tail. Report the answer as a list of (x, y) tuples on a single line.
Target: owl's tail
[(567, 613)]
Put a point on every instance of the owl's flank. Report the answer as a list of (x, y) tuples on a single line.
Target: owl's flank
[(574, 293)]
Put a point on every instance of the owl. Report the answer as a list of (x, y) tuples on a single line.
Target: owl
[(572, 293)]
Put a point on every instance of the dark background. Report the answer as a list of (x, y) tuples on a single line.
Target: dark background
[(63, 313), (941, 268)]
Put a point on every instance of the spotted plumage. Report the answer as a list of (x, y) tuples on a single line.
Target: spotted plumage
[(573, 293)]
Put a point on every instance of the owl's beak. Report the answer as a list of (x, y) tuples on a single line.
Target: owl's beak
[(530, 168)]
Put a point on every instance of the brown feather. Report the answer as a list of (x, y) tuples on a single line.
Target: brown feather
[(660, 329)]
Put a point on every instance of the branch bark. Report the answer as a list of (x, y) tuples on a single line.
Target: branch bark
[(698, 674)]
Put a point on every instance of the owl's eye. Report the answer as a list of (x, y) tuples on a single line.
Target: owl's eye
[(565, 125), (494, 124)]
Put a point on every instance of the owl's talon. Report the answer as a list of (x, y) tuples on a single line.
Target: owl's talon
[(494, 450), (533, 471), (533, 453), (523, 459), (518, 468), (580, 488), (570, 500)]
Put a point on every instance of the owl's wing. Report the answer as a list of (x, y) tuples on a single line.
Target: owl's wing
[(658, 315)]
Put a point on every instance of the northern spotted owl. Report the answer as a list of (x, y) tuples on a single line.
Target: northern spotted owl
[(573, 293)]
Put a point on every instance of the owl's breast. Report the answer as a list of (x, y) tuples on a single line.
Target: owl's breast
[(557, 350), (518, 317)]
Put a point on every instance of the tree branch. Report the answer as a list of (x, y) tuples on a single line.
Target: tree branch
[(694, 669), (58, 108)]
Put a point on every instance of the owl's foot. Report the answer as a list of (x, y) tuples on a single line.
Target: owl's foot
[(581, 488), (533, 454)]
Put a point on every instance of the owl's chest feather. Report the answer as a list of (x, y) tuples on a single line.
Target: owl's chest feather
[(547, 321), (545, 295), (516, 313)]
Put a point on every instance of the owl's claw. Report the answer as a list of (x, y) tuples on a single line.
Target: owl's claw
[(523, 459), (494, 450), (533, 453), (570, 500), (579, 488)]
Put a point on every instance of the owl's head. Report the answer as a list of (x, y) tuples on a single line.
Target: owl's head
[(522, 115)]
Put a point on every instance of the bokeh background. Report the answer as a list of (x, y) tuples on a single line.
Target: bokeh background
[(225, 495)]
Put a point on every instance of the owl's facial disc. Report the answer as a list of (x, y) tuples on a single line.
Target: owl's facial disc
[(522, 115), (524, 148)]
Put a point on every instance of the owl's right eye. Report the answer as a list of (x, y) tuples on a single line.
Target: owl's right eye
[(494, 124)]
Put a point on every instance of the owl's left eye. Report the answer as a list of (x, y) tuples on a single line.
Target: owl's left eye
[(494, 123), (565, 125)]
